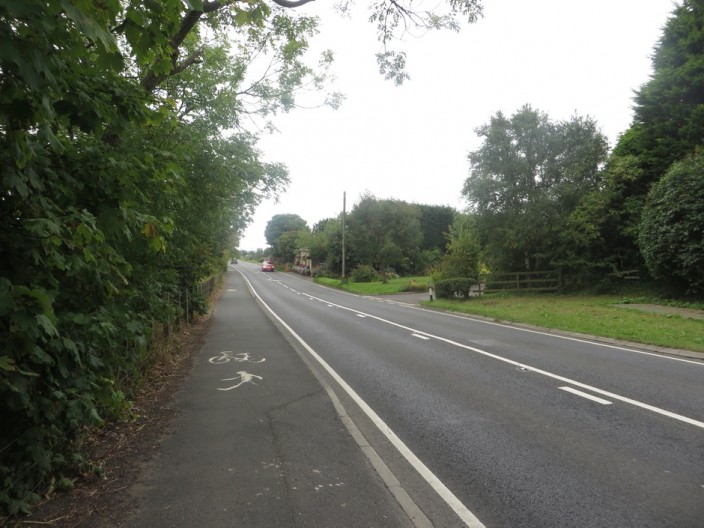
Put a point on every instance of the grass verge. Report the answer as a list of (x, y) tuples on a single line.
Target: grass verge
[(597, 315), (398, 285)]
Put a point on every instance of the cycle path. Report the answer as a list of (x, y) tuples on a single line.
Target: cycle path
[(256, 441)]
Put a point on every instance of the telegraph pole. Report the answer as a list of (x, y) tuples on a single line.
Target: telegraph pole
[(344, 205)]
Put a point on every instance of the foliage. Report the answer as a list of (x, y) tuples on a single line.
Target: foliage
[(671, 234), (392, 16), (597, 239), (282, 233), (127, 178), (280, 224), (668, 126), (435, 222), (119, 190), (425, 260), (455, 288), (463, 250), (526, 179), (330, 245), (364, 273), (383, 232)]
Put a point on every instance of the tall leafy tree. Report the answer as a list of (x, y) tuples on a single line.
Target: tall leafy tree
[(282, 232), (526, 178), (383, 232), (435, 222), (668, 126), (282, 223)]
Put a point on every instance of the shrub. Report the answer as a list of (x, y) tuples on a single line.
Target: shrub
[(454, 288), (364, 273), (671, 236)]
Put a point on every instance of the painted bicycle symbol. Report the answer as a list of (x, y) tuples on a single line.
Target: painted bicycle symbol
[(243, 377), (240, 357)]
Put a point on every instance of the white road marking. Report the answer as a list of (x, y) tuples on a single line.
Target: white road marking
[(243, 377), (636, 403), (240, 357), (443, 491), (362, 316), (585, 395), (558, 336), (420, 336)]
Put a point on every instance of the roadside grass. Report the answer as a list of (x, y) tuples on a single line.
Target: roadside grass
[(597, 315), (398, 285), (587, 314)]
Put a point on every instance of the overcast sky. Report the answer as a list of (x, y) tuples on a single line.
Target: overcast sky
[(563, 57)]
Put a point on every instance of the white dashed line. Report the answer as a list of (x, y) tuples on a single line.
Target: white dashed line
[(585, 395)]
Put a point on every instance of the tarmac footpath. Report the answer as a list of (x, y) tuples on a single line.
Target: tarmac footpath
[(257, 441)]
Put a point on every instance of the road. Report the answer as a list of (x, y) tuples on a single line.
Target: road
[(491, 425)]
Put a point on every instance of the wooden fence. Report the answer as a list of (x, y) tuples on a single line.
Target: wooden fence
[(522, 281)]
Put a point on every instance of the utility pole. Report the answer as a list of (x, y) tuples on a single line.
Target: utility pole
[(344, 206)]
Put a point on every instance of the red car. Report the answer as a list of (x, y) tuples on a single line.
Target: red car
[(267, 266)]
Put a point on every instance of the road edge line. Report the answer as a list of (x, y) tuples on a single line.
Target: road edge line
[(409, 506)]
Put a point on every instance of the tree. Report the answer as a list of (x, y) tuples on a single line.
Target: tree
[(383, 232), (526, 179), (668, 126), (280, 224), (329, 232), (282, 232), (391, 17), (435, 222), (127, 173), (463, 250), (671, 233), (320, 242)]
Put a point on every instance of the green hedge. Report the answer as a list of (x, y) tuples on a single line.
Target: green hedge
[(454, 288), (364, 273)]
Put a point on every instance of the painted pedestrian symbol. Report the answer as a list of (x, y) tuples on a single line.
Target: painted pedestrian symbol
[(243, 377), (240, 357)]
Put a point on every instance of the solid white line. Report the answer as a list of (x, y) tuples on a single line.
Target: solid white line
[(585, 395), (443, 491), (420, 336)]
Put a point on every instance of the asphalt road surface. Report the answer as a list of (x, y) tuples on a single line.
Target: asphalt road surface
[(489, 425)]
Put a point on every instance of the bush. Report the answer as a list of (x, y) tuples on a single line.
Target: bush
[(364, 273), (671, 235), (454, 288)]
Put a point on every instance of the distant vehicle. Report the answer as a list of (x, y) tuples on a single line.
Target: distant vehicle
[(233, 261), (267, 266)]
